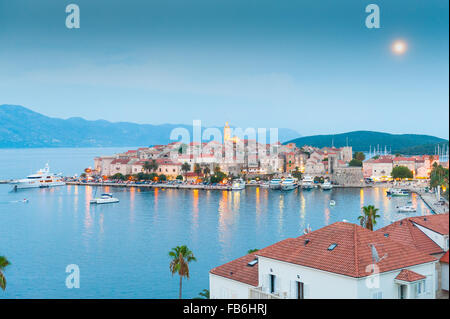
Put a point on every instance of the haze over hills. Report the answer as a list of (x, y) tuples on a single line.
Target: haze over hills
[(408, 144), (21, 128)]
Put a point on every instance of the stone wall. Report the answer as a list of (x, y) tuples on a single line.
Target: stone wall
[(348, 176)]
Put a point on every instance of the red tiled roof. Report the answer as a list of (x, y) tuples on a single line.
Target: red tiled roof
[(120, 161), (405, 232), (444, 259), (350, 257), (409, 276), (437, 223)]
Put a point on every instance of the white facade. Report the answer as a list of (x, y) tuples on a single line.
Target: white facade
[(319, 284), (444, 276)]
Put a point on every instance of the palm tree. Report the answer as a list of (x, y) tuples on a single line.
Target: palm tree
[(204, 294), (251, 251), (181, 257), (206, 171), (369, 217), (3, 263), (197, 169)]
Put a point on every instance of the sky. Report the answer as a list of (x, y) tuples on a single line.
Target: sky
[(309, 65)]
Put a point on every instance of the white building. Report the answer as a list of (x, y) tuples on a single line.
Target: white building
[(341, 260), (444, 271)]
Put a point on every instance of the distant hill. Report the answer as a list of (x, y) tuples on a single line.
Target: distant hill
[(21, 127), (407, 144)]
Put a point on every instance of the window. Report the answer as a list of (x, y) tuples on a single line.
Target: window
[(272, 284), (300, 290), (420, 287)]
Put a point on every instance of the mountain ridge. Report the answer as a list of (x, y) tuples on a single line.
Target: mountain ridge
[(364, 141), (21, 127)]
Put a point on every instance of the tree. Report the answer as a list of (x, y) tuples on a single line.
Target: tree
[(197, 169), (368, 217), (3, 264), (185, 167), (179, 177), (439, 177), (401, 172), (162, 177), (251, 251), (359, 156), (118, 176), (181, 257), (204, 294), (217, 177), (355, 163), (297, 174), (206, 171), (150, 166)]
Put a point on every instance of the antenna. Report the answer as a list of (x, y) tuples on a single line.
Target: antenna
[(375, 256)]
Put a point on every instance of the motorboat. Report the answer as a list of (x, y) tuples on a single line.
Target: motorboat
[(238, 184), (406, 209), (289, 183), (275, 183), (42, 178), (326, 186), (308, 182), (106, 198), (397, 192), (332, 203), (264, 185)]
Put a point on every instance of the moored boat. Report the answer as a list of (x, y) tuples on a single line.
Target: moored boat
[(289, 183), (275, 183), (326, 186), (406, 209), (397, 192), (238, 184), (42, 178), (106, 198), (307, 182)]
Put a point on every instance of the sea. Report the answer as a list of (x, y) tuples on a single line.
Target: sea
[(121, 250)]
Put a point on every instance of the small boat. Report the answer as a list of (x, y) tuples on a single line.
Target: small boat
[(275, 183), (289, 184), (105, 199), (397, 192), (326, 186), (238, 184), (332, 203), (406, 209), (307, 230)]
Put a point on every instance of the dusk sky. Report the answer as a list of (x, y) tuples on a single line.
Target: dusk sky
[(312, 66)]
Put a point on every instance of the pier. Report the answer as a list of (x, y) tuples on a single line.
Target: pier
[(157, 185)]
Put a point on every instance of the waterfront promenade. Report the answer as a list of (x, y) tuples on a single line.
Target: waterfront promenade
[(154, 185)]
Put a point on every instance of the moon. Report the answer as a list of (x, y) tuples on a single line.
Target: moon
[(399, 47)]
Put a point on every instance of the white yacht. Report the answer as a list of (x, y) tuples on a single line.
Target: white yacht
[(275, 183), (264, 185), (238, 184), (289, 183), (406, 209), (326, 186), (105, 199), (397, 192), (43, 178), (307, 182)]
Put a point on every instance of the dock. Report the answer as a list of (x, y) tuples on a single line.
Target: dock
[(179, 186)]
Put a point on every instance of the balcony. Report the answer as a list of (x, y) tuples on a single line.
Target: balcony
[(258, 293)]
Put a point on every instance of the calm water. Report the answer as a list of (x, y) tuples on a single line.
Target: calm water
[(122, 248)]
